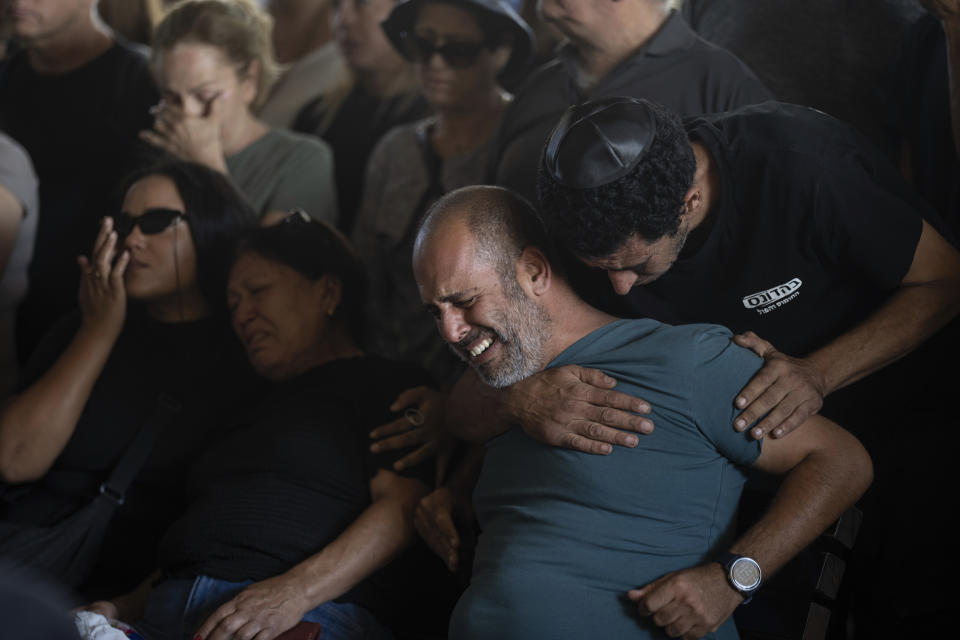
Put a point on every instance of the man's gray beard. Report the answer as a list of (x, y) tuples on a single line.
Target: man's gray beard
[(526, 327)]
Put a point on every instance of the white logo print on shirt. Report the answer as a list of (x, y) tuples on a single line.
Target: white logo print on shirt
[(773, 298)]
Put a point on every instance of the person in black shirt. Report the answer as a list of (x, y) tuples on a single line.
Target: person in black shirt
[(380, 94), (147, 325), (772, 218), (75, 96), (291, 516)]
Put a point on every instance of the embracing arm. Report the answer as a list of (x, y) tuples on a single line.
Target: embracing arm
[(36, 424), (826, 469), (791, 389), (569, 406), (274, 605)]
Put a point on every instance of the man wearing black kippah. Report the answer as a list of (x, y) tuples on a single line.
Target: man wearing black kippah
[(773, 218), (777, 219)]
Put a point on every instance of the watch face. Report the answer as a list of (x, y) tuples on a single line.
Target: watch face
[(745, 574)]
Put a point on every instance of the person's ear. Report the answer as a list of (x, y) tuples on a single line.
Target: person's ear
[(692, 200), (330, 293), (501, 56), (534, 271), (250, 81)]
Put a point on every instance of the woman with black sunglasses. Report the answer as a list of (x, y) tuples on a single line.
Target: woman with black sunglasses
[(150, 322), (461, 50)]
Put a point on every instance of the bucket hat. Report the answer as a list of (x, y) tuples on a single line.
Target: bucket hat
[(399, 25)]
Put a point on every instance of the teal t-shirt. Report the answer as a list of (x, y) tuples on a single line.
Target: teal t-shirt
[(565, 534)]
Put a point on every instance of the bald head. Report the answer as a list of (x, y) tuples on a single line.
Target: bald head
[(484, 279), (498, 223)]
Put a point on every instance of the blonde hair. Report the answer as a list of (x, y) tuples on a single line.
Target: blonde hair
[(239, 28)]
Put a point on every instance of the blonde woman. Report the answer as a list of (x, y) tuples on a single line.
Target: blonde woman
[(214, 65)]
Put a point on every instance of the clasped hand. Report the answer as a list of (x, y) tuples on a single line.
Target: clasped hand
[(788, 390), (576, 408)]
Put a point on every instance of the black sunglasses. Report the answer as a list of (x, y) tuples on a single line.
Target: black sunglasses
[(458, 55), (151, 221)]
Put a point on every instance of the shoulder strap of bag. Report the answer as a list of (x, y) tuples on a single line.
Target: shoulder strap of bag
[(115, 488)]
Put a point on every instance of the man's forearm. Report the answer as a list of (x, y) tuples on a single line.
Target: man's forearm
[(911, 316), (813, 495), (383, 530), (928, 299)]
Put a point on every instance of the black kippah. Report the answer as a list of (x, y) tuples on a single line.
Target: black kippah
[(599, 141)]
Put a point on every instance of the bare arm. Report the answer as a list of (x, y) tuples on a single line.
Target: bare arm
[(792, 389), (36, 424), (568, 406), (826, 469), (268, 608)]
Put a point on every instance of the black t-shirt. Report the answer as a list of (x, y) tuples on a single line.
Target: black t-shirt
[(812, 230), (202, 366), (80, 129), (918, 114), (360, 121), (294, 477)]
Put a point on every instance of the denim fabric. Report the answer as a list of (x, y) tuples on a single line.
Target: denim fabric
[(176, 609)]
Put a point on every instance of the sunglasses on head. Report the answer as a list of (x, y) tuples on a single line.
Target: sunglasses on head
[(151, 221), (297, 216), (458, 55)]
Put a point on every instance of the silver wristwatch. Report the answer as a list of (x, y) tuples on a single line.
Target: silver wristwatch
[(743, 574)]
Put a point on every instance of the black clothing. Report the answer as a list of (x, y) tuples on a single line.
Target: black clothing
[(293, 478), (919, 119), (360, 121), (80, 129), (675, 68), (833, 55), (201, 365), (813, 230)]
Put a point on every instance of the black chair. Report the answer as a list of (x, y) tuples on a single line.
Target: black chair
[(802, 601)]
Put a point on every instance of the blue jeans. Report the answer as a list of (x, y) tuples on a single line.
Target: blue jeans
[(177, 608)]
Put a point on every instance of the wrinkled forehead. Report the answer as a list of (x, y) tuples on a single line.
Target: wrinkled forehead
[(446, 260)]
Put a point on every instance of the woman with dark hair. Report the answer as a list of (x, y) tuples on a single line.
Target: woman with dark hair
[(148, 325), (291, 517)]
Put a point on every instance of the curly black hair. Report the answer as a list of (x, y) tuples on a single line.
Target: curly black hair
[(595, 222)]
